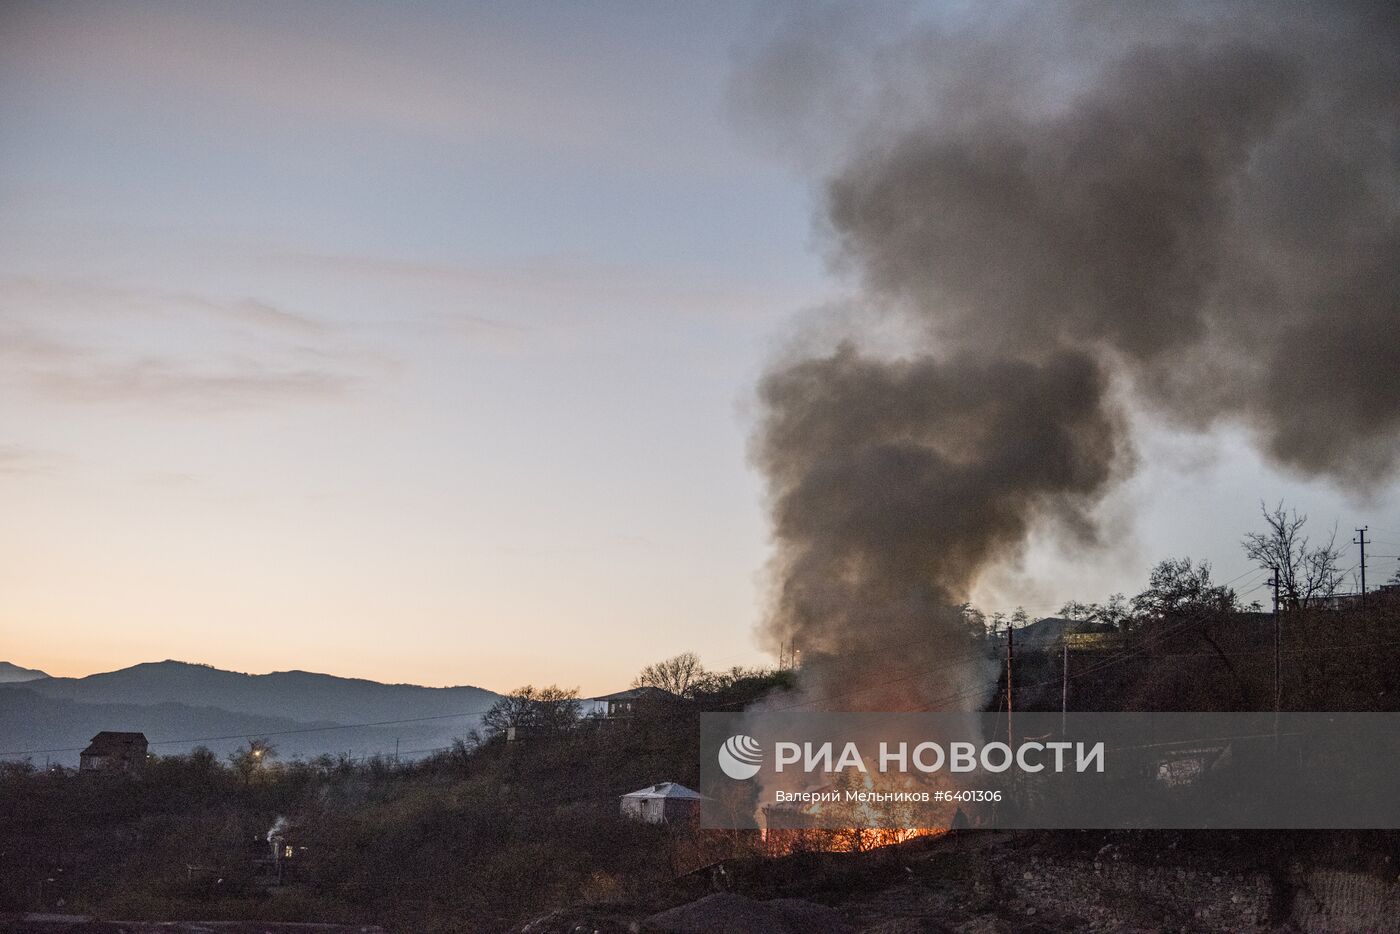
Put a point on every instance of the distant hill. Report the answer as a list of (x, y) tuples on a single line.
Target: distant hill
[(30, 721), (304, 695), (12, 674), (313, 713)]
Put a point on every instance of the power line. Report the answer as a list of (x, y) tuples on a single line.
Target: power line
[(983, 688), (1010, 681), (245, 734), (886, 647), (1306, 650), (970, 690)]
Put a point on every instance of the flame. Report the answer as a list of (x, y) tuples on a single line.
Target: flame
[(857, 826), (784, 841)]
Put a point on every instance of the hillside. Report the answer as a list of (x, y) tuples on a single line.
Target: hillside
[(304, 695), (180, 705), (13, 674), (30, 721), (50, 729), (475, 839), (528, 837), (1328, 660)]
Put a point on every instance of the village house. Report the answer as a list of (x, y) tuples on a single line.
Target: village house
[(610, 710), (623, 704), (112, 751), (1051, 632), (278, 856), (662, 803)]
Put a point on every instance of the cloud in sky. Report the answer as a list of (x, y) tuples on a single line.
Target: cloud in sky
[(17, 460), (397, 285), (237, 385), (400, 285), (474, 75), (563, 284), (93, 343), (77, 296), (261, 314), (315, 70)]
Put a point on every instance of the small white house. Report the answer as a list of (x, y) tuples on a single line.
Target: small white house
[(662, 803)]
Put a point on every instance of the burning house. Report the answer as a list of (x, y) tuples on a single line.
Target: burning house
[(112, 751), (830, 818)]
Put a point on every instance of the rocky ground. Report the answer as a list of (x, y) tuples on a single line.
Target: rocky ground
[(993, 882)]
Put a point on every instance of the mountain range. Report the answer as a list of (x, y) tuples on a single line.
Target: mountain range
[(179, 705), (10, 674)]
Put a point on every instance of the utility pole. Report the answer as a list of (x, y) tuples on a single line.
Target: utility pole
[(1278, 694), (1064, 687), (1360, 539), (1010, 672)]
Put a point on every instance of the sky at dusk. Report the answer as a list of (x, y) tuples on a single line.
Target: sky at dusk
[(418, 342)]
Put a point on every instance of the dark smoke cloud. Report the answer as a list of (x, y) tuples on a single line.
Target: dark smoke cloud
[(1193, 211), (895, 481)]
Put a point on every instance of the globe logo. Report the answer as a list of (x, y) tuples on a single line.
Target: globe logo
[(740, 757)]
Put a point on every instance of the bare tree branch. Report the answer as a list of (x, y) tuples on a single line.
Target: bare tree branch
[(679, 674), (1307, 575)]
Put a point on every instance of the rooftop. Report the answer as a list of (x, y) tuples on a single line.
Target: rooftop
[(645, 691), (109, 742), (664, 790)]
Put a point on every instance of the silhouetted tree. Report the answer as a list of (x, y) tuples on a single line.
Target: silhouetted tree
[(678, 674), (1075, 610), (1306, 574), (1115, 611), (1176, 586), (251, 758), (549, 709), (975, 620)]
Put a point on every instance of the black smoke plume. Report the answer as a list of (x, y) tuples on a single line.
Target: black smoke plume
[(1065, 214)]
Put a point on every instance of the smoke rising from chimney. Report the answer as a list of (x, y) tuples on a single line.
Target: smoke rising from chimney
[(1187, 211)]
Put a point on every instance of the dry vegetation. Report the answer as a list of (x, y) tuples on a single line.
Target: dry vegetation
[(488, 837)]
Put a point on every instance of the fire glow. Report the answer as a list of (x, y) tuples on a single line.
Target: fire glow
[(930, 757), (853, 820)]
